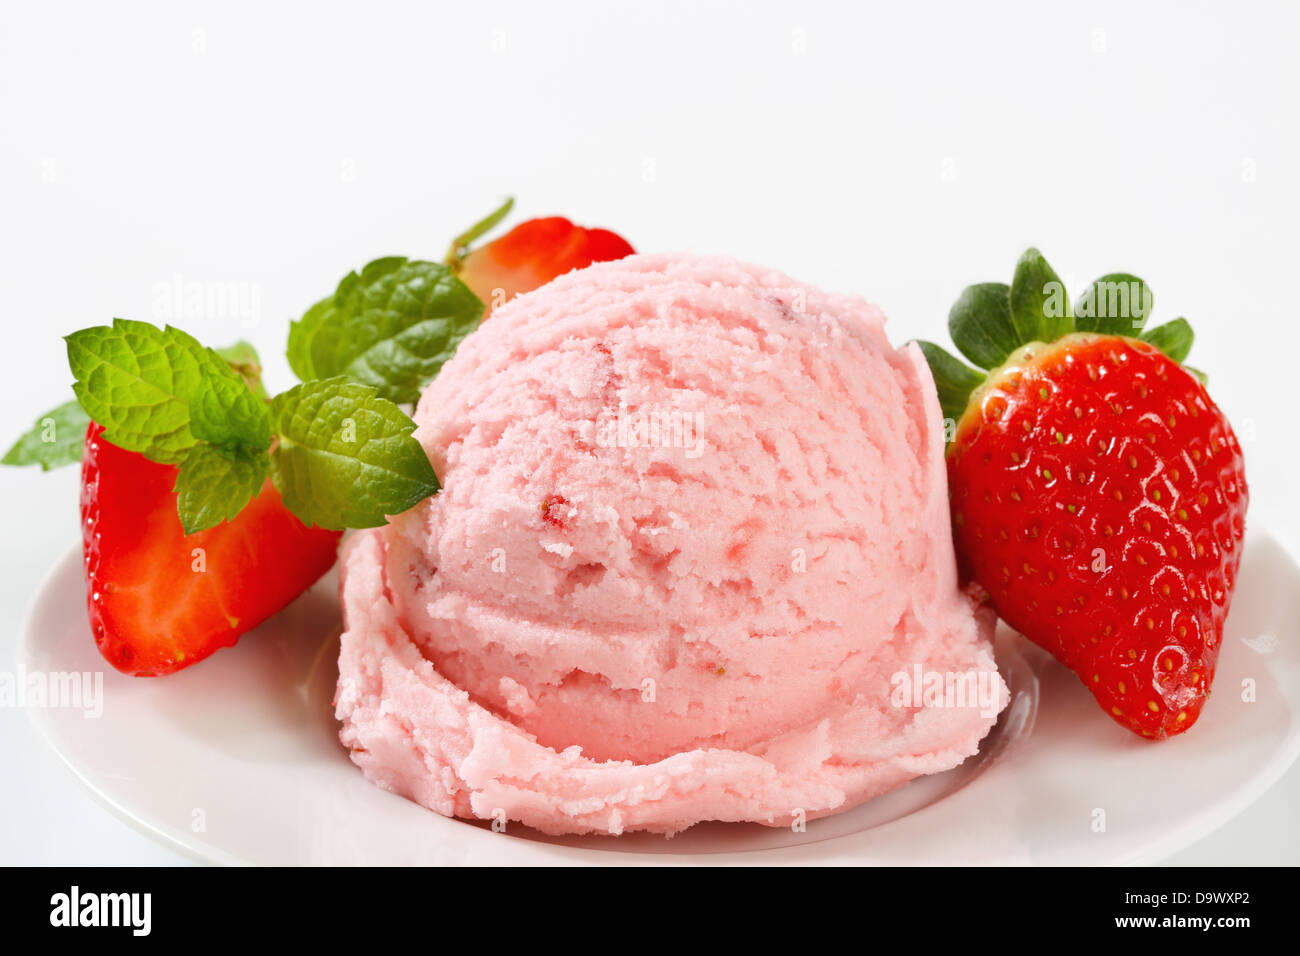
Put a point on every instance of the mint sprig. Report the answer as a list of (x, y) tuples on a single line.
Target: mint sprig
[(162, 394), (55, 440), (990, 321), (390, 326), (346, 458), (138, 380), (341, 454)]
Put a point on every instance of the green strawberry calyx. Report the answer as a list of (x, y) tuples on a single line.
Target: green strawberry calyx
[(997, 326)]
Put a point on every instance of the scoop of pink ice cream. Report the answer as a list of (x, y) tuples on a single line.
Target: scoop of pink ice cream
[(693, 525)]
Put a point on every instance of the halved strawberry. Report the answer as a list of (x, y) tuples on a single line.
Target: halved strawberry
[(159, 600), (532, 254)]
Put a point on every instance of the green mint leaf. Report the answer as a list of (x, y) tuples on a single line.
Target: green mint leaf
[(300, 335), (224, 412), (55, 440), (460, 245), (391, 326), (1173, 338), (211, 487), (243, 358), (1040, 308), (346, 458), (980, 324), (137, 381), (953, 379), (303, 332), (394, 325), (1115, 304)]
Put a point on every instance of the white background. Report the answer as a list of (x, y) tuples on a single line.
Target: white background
[(896, 150)]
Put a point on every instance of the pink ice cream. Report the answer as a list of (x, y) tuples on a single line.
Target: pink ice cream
[(693, 522)]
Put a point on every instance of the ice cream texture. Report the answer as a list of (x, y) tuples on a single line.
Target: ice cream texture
[(693, 524)]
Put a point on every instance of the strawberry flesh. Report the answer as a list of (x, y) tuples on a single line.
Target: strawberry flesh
[(159, 600)]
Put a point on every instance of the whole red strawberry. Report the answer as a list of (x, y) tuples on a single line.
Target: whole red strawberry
[(1098, 494), (529, 255)]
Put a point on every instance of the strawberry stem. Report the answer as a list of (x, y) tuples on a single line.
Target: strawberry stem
[(460, 245)]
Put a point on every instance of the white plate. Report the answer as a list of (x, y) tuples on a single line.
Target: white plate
[(237, 760)]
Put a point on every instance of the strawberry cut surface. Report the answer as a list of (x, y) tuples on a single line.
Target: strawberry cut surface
[(1099, 497), (159, 600)]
